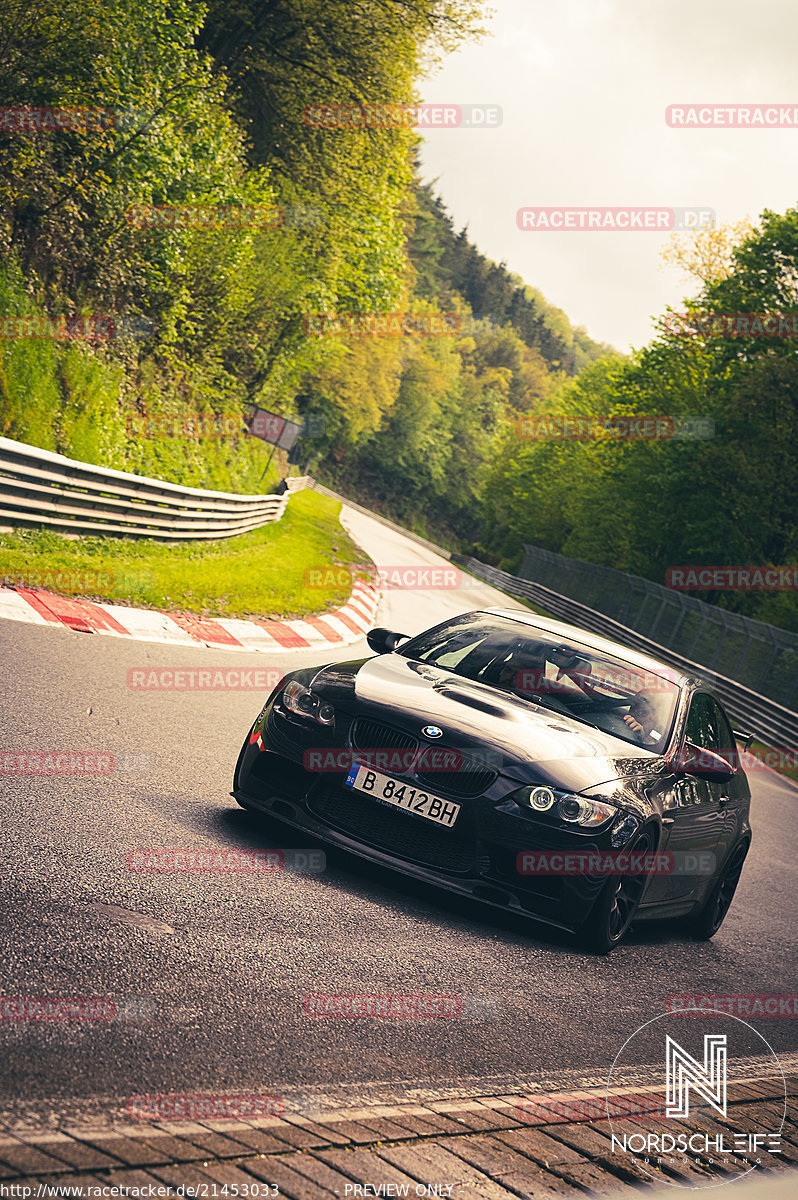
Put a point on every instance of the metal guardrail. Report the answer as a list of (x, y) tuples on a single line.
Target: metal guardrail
[(760, 656), (39, 488), (296, 483), (772, 723)]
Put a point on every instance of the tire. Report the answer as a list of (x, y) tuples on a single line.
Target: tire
[(617, 903), (712, 915)]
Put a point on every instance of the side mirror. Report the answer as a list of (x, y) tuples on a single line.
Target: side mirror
[(703, 764), (382, 641)]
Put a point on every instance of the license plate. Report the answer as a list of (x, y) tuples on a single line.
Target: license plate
[(402, 795)]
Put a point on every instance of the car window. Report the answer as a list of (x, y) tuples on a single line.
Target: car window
[(626, 700), (451, 658), (728, 743), (707, 726)]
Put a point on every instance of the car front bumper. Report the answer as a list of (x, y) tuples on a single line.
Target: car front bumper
[(477, 858)]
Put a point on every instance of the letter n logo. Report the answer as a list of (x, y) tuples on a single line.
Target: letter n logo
[(684, 1072)]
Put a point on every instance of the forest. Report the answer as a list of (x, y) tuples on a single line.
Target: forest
[(180, 240)]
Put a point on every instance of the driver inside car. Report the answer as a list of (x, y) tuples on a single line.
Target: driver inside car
[(643, 720), (524, 672)]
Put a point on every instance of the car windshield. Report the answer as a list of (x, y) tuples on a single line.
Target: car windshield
[(629, 701)]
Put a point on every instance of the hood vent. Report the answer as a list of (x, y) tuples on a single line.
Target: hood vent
[(474, 699)]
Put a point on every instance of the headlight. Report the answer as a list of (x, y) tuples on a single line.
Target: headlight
[(587, 813), (576, 810), (299, 699), (539, 798)]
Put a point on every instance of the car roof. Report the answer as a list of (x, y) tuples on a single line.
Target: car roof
[(594, 642)]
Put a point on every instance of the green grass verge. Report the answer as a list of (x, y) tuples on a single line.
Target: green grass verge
[(264, 574)]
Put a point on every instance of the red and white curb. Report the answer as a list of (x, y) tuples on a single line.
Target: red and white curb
[(338, 628)]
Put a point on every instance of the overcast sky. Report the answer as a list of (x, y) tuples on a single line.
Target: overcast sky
[(584, 85)]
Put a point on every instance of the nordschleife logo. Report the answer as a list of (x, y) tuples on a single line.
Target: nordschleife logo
[(696, 1123), (683, 1073)]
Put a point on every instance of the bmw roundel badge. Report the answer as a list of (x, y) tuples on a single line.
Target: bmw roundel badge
[(432, 731)]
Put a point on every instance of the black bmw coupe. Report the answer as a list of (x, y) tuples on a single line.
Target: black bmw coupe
[(518, 761)]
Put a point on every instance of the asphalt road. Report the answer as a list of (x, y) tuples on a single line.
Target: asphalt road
[(208, 972)]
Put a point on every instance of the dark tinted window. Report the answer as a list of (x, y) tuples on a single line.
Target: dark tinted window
[(727, 746), (708, 727), (533, 664)]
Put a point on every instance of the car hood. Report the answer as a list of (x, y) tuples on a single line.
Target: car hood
[(532, 743)]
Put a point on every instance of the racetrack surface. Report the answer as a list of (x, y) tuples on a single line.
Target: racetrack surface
[(209, 986)]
